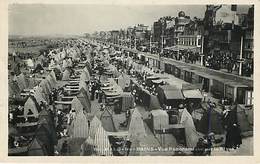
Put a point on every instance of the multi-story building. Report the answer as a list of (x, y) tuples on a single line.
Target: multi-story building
[(248, 43), (180, 22), (141, 32), (114, 36), (169, 32), (248, 51), (159, 30), (222, 31), (191, 38)]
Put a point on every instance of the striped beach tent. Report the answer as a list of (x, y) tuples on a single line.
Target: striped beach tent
[(84, 76), (87, 147), (39, 96), (82, 84), (50, 81), (66, 75), (53, 75), (136, 127), (94, 124), (76, 105), (85, 96), (44, 87), (80, 129), (101, 142), (48, 86)]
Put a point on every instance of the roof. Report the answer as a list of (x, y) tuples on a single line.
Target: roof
[(192, 94), (157, 81), (159, 112), (173, 94), (154, 102), (167, 87)]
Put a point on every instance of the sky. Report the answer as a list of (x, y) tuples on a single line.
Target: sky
[(58, 19)]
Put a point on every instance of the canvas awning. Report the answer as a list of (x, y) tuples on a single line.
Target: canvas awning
[(195, 94), (157, 81), (173, 94)]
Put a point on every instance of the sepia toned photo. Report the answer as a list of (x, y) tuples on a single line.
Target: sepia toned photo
[(130, 80)]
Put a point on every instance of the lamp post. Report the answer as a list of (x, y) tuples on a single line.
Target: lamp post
[(150, 43), (241, 57), (202, 55), (135, 42), (130, 41), (162, 44)]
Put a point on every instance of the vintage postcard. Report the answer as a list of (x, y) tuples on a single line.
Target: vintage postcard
[(147, 79)]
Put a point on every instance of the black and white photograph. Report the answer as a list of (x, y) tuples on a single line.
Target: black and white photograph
[(131, 80)]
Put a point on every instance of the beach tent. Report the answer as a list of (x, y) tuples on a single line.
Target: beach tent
[(88, 66), (123, 81), (245, 118), (82, 84), (107, 121), (21, 81), (76, 105), (52, 64), (44, 87), (169, 95), (94, 124), (86, 71), (85, 100), (45, 137), (39, 96), (51, 81), (85, 93), (192, 94), (53, 75), (45, 114), (31, 104), (29, 63), (64, 64), (84, 76), (48, 86), (38, 68), (42, 60), (88, 147), (80, 129), (216, 124), (74, 146), (136, 128), (13, 89), (31, 82), (160, 119), (36, 148), (101, 142), (154, 103), (190, 131), (127, 101), (66, 75), (135, 148)]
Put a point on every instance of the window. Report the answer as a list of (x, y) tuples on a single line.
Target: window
[(249, 98), (199, 42)]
